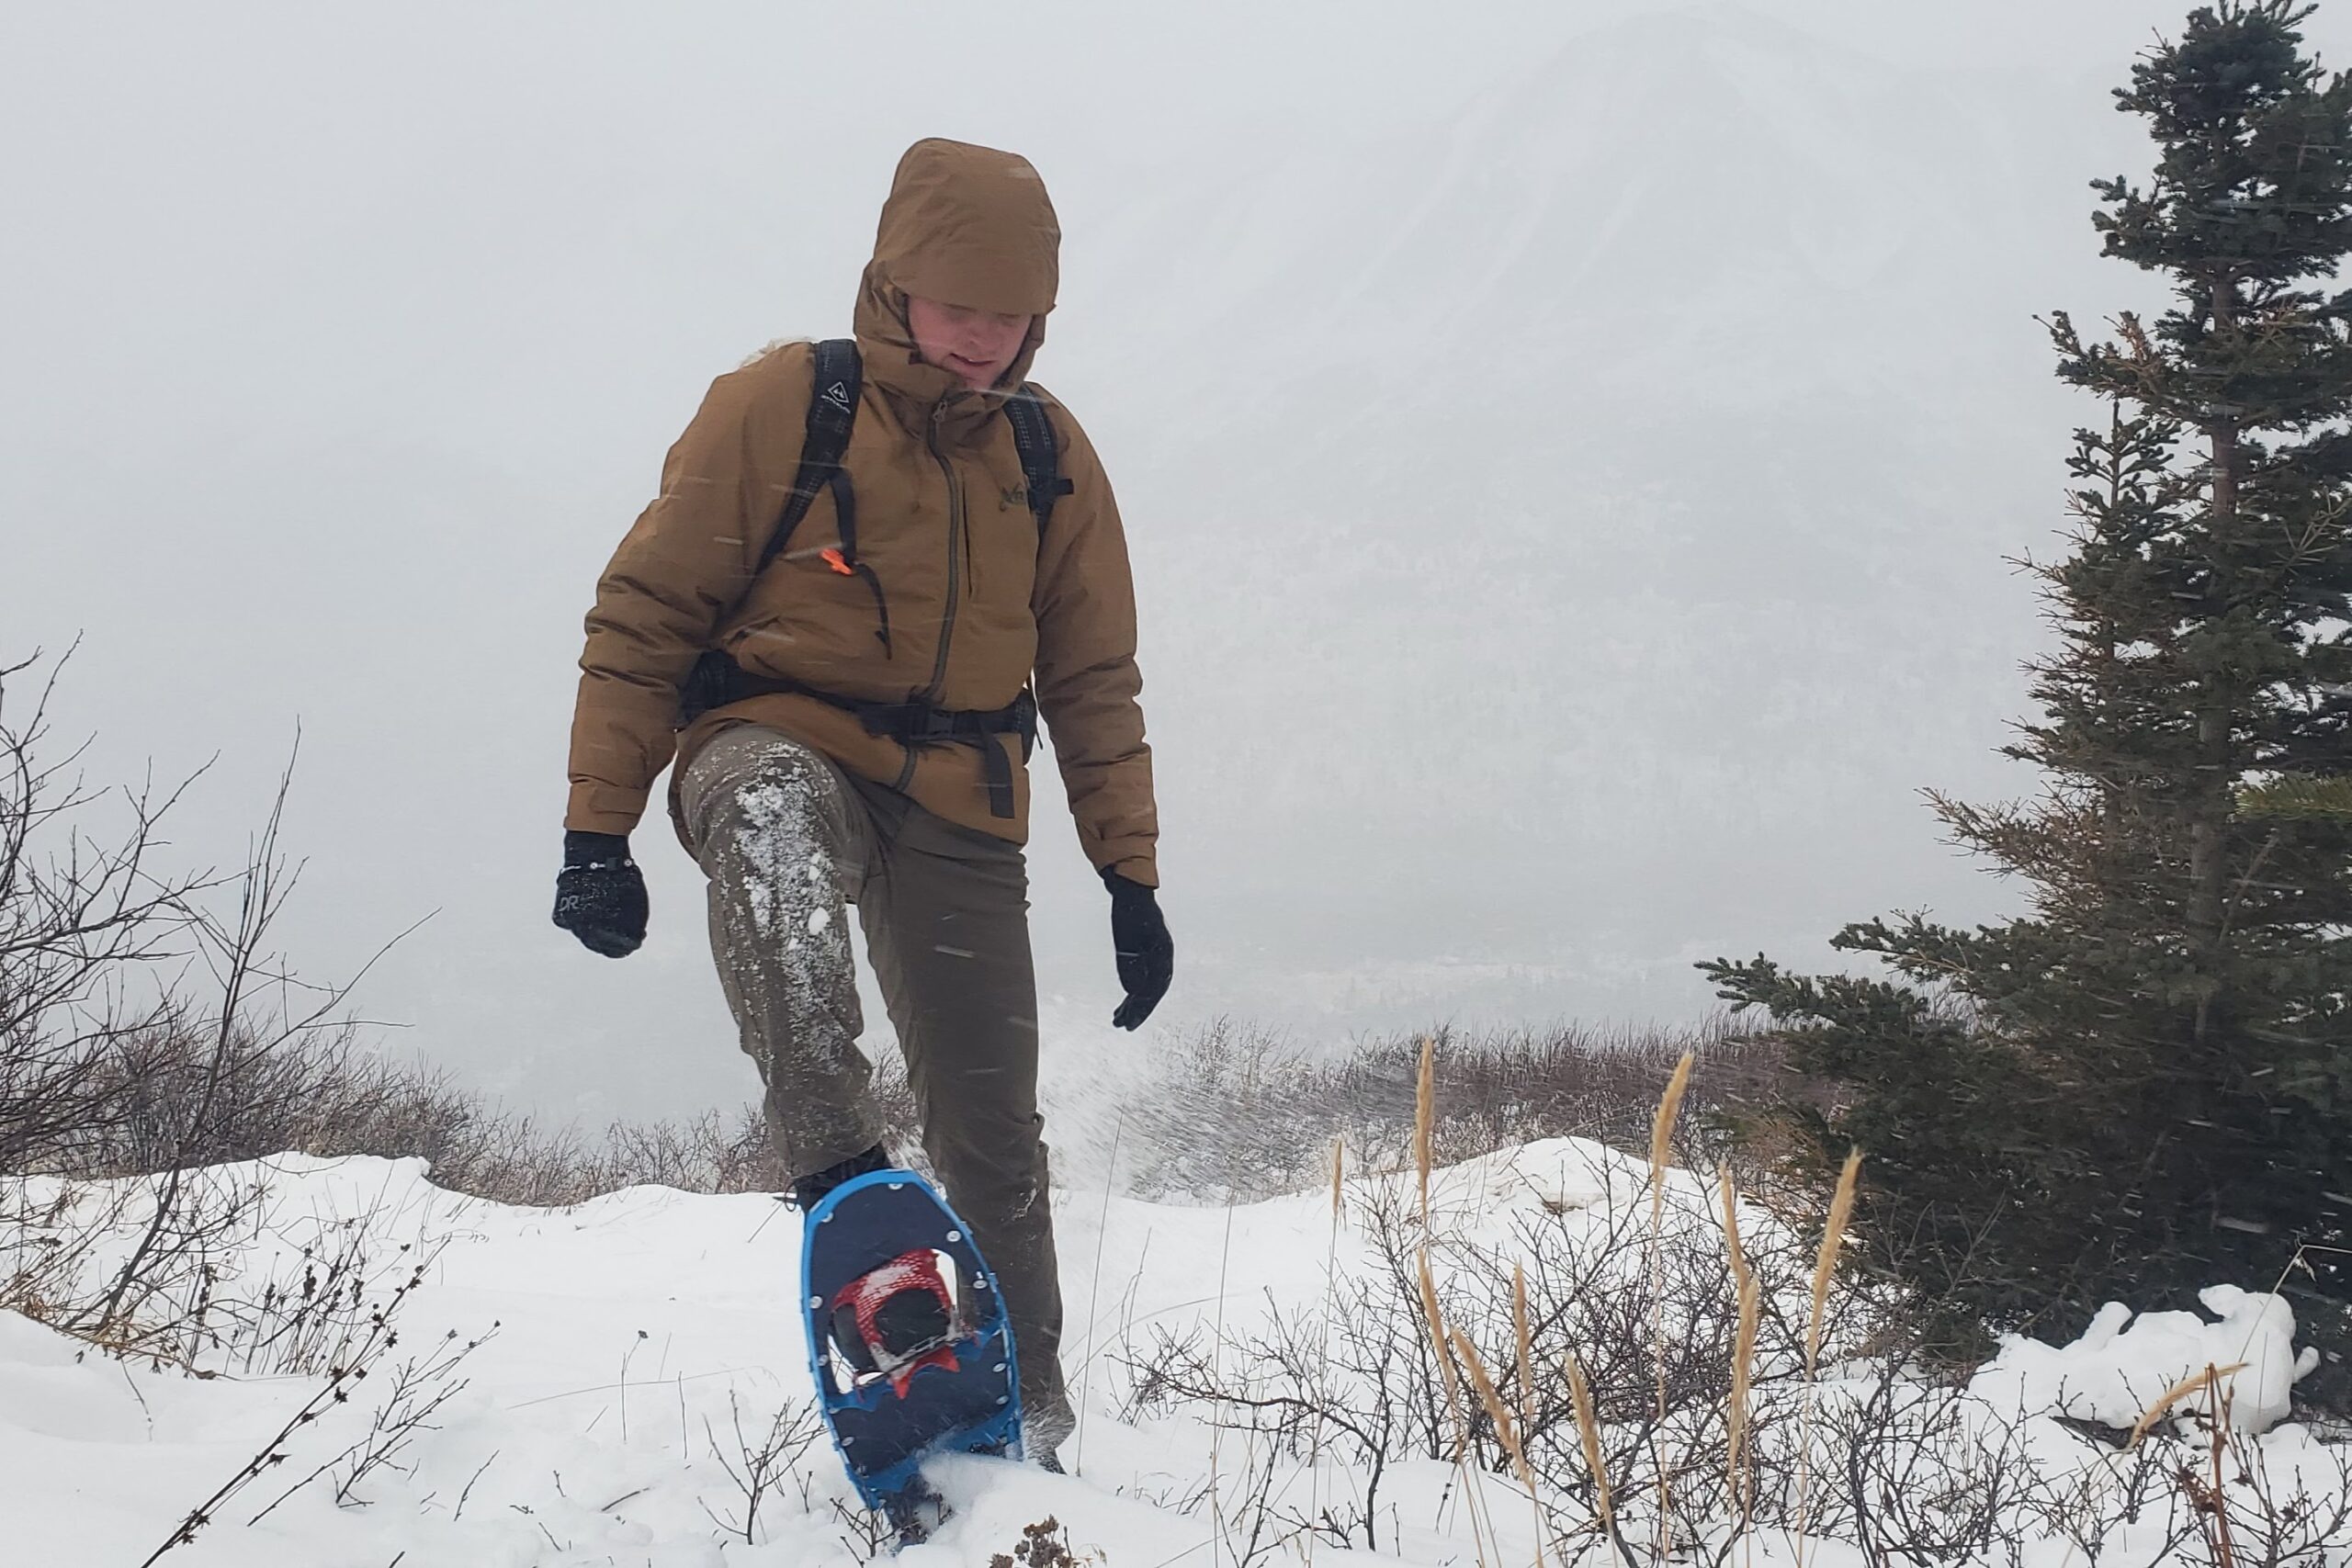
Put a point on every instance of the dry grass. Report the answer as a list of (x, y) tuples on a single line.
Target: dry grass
[(1589, 1437), (2187, 1388), (1662, 1125), (1490, 1397), (1424, 1117), (1523, 1342), (1434, 1320), (1507, 1431), (1424, 1120), (1232, 1116), (1749, 1295), (1825, 1267), (323, 1095), (1833, 1238), (1235, 1113)]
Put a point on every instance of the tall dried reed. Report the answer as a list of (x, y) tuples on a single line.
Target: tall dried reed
[(1434, 1320), (1424, 1117), (1491, 1398), (1588, 1433), (1425, 1121), (1669, 1109), (1505, 1429), (2187, 1388), (1833, 1237), (1523, 1339), (1749, 1296), (1526, 1344), (1331, 1284)]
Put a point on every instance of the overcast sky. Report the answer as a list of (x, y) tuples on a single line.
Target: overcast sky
[(1570, 450)]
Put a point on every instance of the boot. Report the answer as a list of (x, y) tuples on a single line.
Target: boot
[(807, 1191)]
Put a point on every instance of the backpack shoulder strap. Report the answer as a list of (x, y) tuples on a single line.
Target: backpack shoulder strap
[(832, 412), (1041, 458)]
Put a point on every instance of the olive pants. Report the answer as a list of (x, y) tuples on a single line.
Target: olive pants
[(788, 840)]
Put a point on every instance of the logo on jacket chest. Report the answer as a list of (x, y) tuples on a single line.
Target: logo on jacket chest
[(1011, 496)]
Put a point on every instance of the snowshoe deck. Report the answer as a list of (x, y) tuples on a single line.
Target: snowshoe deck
[(870, 1239)]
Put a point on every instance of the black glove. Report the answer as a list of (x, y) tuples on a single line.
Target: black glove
[(600, 894), (1146, 956)]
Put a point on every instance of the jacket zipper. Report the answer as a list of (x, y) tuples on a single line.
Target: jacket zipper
[(955, 538), (954, 581)]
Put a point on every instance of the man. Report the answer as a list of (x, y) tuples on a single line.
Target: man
[(873, 719)]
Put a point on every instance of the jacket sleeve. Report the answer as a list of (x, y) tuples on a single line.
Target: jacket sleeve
[(1087, 682), (684, 566)]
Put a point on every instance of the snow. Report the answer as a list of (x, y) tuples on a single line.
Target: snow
[(2123, 1364), (623, 1341)]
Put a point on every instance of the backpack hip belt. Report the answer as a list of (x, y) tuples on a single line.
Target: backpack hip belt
[(717, 680), (918, 722)]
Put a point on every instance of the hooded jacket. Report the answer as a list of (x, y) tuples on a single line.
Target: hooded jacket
[(977, 600)]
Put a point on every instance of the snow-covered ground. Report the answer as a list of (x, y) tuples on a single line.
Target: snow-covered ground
[(625, 1342)]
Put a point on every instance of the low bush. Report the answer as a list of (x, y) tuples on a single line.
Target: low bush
[(1235, 1113)]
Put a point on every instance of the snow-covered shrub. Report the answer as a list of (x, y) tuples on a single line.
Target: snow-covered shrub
[(97, 945), (1899, 1459)]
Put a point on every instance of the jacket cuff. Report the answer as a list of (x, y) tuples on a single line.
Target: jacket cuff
[(601, 808), (1137, 866)]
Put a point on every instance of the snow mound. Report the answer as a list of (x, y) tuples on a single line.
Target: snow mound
[(2123, 1364)]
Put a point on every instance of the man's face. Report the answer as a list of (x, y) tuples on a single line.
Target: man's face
[(976, 345)]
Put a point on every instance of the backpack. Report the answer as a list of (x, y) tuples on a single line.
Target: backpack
[(832, 412)]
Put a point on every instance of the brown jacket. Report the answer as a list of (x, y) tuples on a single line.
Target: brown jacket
[(979, 602)]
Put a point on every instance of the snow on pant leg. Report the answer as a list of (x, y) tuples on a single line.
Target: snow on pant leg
[(785, 843), (946, 917)]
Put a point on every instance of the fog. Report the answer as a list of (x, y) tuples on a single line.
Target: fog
[(1573, 456)]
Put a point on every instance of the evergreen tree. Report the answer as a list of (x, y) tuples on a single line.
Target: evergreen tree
[(2145, 1083)]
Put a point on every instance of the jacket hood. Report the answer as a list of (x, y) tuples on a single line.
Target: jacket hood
[(966, 225)]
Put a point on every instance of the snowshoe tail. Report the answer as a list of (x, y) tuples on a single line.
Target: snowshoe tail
[(915, 1513)]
